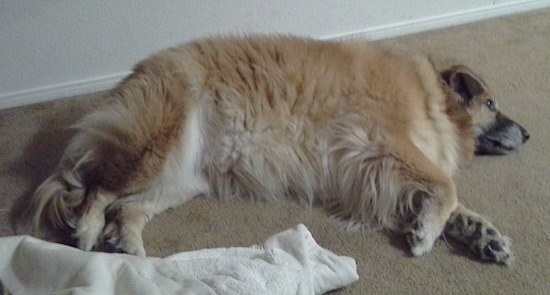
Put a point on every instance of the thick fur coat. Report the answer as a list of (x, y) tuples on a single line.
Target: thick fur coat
[(372, 136)]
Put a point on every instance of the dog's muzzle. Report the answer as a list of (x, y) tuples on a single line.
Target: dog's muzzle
[(503, 137)]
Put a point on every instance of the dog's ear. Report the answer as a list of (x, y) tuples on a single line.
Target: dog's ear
[(464, 83)]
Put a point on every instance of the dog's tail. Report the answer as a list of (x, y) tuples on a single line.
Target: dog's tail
[(119, 150), (56, 199), (61, 198)]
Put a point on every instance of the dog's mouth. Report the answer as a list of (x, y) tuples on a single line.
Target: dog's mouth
[(501, 140), (492, 146)]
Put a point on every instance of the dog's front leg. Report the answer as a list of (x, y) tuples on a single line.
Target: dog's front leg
[(479, 235), (437, 203), (436, 192)]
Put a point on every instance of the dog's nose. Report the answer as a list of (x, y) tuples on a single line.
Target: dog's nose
[(525, 135)]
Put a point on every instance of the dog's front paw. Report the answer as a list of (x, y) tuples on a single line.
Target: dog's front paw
[(481, 237), (492, 246), (421, 239)]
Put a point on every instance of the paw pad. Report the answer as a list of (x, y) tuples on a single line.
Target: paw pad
[(481, 237)]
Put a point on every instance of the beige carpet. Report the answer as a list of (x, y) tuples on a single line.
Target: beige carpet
[(512, 53)]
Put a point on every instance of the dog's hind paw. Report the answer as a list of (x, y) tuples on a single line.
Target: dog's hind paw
[(88, 231), (122, 240), (130, 245)]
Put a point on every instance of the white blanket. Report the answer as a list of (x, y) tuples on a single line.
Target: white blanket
[(290, 262)]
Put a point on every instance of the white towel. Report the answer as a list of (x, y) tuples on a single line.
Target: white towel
[(290, 262)]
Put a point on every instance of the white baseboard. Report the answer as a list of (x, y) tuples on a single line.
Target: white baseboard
[(442, 21), (36, 95), (49, 93)]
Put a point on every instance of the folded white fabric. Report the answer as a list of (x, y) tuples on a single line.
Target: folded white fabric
[(290, 262)]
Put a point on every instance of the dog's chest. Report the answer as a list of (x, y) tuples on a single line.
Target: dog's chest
[(437, 140)]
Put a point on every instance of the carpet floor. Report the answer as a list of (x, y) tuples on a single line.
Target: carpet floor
[(511, 53)]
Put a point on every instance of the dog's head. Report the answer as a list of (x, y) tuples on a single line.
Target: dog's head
[(495, 133)]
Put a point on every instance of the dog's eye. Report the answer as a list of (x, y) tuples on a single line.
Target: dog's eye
[(491, 105)]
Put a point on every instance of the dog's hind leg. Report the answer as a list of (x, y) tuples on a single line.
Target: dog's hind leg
[(178, 182), (479, 235), (128, 216), (123, 232), (90, 225)]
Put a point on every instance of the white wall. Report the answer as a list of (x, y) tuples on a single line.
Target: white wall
[(51, 49)]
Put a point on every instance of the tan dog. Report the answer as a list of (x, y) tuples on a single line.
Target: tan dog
[(375, 137)]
